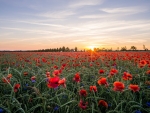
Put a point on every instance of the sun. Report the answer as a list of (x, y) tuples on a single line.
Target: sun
[(91, 47)]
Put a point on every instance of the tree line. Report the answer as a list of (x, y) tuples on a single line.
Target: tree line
[(60, 49), (75, 49)]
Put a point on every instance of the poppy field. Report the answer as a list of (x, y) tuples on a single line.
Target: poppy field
[(74, 82)]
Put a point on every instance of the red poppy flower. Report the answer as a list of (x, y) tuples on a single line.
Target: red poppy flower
[(134, 88), (62, 82), (127, 76), (114, 71), (83, 92), (93, 88), (83, 105), (103, 103), (44, 60), (77, 77), (33, 78), (56, 73), (56, 67), (102, 81), (9, 76), (101, 71), (16, 87), (147, 82), (148, 72), (53, 82), (5, 80), (118, 86), (47, 74), (64, 65), (25, 73), (143, 62)]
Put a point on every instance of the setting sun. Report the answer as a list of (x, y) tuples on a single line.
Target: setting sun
[(91, 47)]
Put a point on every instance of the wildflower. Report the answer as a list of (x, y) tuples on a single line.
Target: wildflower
[(62, 82), (25, 73), (83, 105), (56, 67), (76, 77), (56, 73), (33, 79), (134, 88), (148, 72), (53, 82), (138, 111), (5, 80), (44, 60), (56, 108), (47, 74), (113, 72), (143, 62), (127, 76), (101, 71), (1, 110), (118, 86), (103, 103), (64, 65), (148, 104), (9, 76), (83, 92), (93, 88), (16, 87), (102, 81)]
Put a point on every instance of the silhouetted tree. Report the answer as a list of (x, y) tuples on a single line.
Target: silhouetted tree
[(67, 49), (76, 49), (133, 48), (63, 48), (123, 48)]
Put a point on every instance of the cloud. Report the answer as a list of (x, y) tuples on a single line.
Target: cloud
[(115, 12), (81, 3), (29, 30), (78, 40), (57, 14), (125, 10), (94, 16)]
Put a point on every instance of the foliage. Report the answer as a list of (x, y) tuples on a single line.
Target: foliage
[(71, 82)]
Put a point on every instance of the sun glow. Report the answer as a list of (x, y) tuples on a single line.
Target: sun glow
[(91, 47)]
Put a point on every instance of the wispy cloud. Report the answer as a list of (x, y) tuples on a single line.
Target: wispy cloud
[(57, 14), (81, 3), (28, 30), (125, 10), (78, 40), (115, 12)]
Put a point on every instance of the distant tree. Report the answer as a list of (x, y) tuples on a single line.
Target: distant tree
[(60, 49), (133, 48), (63, 48), (96, 49), (76, 49), (117, 48), (123, 48), (67, 49), (103, 49), (146, 49), (109, 49)]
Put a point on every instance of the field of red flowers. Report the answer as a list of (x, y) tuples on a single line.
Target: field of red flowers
[(74, 82)]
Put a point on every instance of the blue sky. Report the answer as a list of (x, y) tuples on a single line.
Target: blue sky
[(37, 24)]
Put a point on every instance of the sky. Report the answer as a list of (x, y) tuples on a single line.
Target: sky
[(42, 24)]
